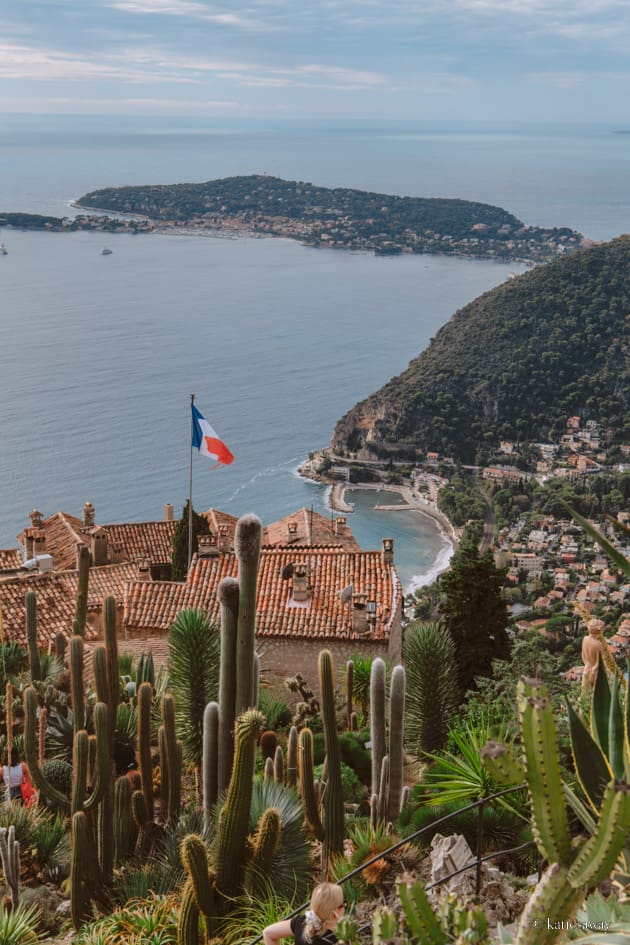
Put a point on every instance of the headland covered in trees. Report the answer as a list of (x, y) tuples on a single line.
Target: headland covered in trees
[(338, 218)]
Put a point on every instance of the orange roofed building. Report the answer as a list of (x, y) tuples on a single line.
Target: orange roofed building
[(347, 601)]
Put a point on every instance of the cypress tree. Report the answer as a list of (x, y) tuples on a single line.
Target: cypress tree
[(179, 558)]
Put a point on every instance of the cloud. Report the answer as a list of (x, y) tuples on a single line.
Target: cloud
[(575, 79), (29, 63), (190, 9), (114, 106)]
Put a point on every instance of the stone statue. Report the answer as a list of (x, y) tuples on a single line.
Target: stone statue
[(592, 649)]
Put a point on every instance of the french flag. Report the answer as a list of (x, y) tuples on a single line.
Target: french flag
[(206, 440)]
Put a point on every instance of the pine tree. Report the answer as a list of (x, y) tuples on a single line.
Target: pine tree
[(474, 612), (179, 558)]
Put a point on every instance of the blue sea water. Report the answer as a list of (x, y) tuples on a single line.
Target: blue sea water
[(99, 355)]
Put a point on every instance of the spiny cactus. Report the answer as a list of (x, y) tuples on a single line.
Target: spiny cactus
[(35, 668), (209, 770), (292, 757), (79, 895), (228, 595), (575, 865), (76, 682), (144, 705), (278, 765), (247, 541), (233, 825), (60, 647), (349, 689), (10, 858), (80, 616), (396, 738), (377, 719), (264, 846), (173, 758), (8, 706), (333, 801)]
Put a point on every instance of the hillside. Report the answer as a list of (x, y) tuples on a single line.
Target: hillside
[(339, 217), (513, 364)]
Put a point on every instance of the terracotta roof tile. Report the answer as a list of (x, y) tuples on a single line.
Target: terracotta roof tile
[(306, 527), (55, 607), (10, 559), (108, 581), (152, 606), (62, 532), (152, 540)]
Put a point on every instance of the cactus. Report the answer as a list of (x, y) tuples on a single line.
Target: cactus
[(377, 719), (228, 595), (195, 860), (9, 715), (383, 790), (265, 844), (10, 858), (268, 770), (209, 770), (268, 744), (145, 670), (188, 919), (396, 749), (80, 615), (79, 896), (247, 542), (125, 828), (255, 680), (278, 765), (60, 647), (333, 801), (349, 689), (34, 664), (145, 702), (42, 723), (575, 865), (173, 758), (292, 757), (76, 682), (233, 822)]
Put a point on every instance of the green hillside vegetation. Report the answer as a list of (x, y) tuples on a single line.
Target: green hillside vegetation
[(513, 364), (340, 217)]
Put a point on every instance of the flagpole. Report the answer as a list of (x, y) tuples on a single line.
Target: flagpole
[(190, 511)]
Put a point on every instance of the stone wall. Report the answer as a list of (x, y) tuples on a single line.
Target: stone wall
[(282, 658)]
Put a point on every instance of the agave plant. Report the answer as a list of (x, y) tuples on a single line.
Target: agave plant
[(140, 922), (432, 688), (251, 915), (52, 841), (19, 926), (194, 675)]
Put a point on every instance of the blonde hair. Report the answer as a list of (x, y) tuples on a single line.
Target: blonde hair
[(325, 899)]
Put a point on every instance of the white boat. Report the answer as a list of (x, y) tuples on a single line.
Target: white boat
[(106, 252), (3, 250)]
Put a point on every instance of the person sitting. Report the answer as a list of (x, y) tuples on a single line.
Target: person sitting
[(315, 927)]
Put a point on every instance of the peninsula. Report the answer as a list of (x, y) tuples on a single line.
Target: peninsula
[(338, 218)]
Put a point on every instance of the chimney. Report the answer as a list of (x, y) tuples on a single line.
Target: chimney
[(29, 543), (144, 570), (340, 524), (292, 528), (207, 546), (98, 546), (224, 538), (300, 583), (117, 552), (387, 554), (88, 515), (39, 541), (169, 515), (360, 622), (36, 517)]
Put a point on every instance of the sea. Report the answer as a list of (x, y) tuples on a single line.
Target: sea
[(99, 355)]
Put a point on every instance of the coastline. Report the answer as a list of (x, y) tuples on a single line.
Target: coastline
[(336, 498)]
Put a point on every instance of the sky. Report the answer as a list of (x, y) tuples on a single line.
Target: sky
[(558, 61)]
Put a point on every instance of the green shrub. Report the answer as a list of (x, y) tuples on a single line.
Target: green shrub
[(356, 755), (353, 790)]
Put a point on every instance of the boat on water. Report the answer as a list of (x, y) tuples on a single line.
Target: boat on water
[(106, 252), (3, 250)]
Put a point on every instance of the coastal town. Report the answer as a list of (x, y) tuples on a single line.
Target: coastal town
[(555, 575)]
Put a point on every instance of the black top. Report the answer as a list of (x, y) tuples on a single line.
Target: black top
[(297, 927)]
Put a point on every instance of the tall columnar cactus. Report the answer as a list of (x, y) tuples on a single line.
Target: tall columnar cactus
[(125, 828), (233, 822), (349, 689), (278, 765), (173, 758), (247, 541), (292, 757), (80, 615), (10, 858), (575, 865), (145, 702), (76, 682), (60, 647), (8, 705), (79, 893), (333, 801), (209, 770), (396, 742), (34, 664), (377, 719), (228, 595)]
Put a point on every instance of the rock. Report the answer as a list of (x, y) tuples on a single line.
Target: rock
[(64, 907), (449, 854)]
